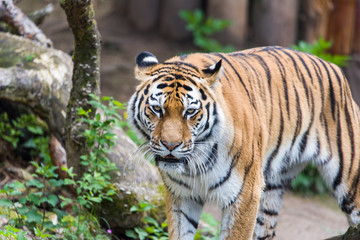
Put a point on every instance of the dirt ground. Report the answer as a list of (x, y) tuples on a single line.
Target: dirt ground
[(300, 218)]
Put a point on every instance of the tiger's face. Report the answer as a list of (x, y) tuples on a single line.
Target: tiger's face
[(173, 110)]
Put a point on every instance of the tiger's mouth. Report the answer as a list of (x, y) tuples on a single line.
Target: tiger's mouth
[(169, 159)]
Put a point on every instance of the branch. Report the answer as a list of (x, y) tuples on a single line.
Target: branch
[(86, 75), (13, 16)]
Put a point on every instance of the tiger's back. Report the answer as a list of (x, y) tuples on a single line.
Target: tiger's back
[(270, 111)]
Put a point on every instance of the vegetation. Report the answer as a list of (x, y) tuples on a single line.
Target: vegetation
[(36, 204), (319, 48), (158, 231), (202, 28)]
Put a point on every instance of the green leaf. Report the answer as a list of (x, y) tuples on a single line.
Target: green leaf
[(68, 181), (35, 183), (33, 216), (134, 209), (55, 182), (53, 200), (151, 221), (141, 233), (131, 234), (35, 129), (34, 199), (82, 112), (5, 203)]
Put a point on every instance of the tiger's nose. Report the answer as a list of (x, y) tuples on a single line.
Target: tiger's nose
[(170, 145)]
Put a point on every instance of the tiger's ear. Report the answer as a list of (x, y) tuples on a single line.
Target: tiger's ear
[(145, 61), (211, 73)]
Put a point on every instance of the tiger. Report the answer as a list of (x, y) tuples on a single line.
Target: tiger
[(234, 129)]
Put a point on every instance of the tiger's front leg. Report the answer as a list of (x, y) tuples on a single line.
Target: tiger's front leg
[(183, 217), (239, 218)]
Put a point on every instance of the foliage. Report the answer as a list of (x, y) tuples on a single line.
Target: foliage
[(211, 232), (158, 231), (33, 204), (309, 182), (319, 48), (202, 28), (152, 230)]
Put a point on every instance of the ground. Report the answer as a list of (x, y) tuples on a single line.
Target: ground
[(300, 218)]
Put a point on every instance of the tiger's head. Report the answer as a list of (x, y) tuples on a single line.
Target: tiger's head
[(174, 108)]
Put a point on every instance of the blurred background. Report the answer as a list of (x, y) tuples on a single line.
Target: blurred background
[(170, 27), (327, 28)]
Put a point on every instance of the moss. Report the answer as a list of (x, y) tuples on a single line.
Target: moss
[(10, 56)]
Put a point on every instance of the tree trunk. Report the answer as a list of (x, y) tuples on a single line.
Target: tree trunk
[(353, 233), (237, 12), (314, 17), (356, 39), (341, 26), (23, 26), (86, 76), (171, 25), (275, 22)]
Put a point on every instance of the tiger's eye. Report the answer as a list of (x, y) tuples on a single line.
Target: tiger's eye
[(157, 108), (190, 111)]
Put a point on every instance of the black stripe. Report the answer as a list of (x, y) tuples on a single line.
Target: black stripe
[(179, 182), (299, 74), (260, 221), (338, 177), (237, 74), (320, 78), (350, 130), (162, 85), (304, 64), (270, 212), (331, 89), (222, 180), (271, 187), (345, 204), (277, 147), (203, 96), (265, 66), (189, 219), (176, 63), (264, 238), (207, 107), (282, 72)]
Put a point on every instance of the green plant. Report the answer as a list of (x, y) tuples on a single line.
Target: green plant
[(211, 231), (319, 48), (152, 230), (158, 231), (10, 233), (33, 203), (309, 182), (202, 28)]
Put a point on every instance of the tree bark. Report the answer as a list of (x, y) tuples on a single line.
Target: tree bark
[(353, 233), (86, 76), (341, 26), (275, 22), (237, 12), (314, 17), (356, 40), (12, 15)]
